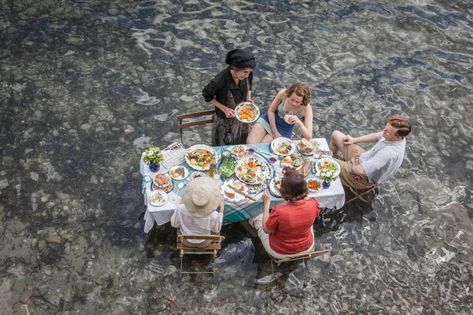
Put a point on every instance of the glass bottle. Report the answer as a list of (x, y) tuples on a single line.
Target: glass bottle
[(212, 169)]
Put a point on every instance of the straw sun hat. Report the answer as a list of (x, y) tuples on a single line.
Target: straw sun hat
[(202, 196)]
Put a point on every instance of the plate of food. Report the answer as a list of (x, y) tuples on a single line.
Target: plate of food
[(240, 151), (317, 145), (178, 172), (227, 167), (327, 168), (200, 156), (157, 198), (197, 174), (282, 146), (295, 161), (275, 185), (307, 147), (252, 170), (163, 182), (247, 112), (230, 194), (314, 184)]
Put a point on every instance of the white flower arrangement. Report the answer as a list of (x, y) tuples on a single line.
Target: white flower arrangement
[(153, 155)]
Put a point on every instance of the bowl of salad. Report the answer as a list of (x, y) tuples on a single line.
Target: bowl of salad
[(327, 169)]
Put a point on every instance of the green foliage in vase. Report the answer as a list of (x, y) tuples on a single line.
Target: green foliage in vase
[(153, 155)]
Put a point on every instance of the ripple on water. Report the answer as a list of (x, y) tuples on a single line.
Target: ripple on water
[(88, 86)]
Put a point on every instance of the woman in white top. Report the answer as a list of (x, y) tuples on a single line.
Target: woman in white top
[(198, 212)]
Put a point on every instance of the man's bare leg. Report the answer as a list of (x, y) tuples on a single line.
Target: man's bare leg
[(336, 142)]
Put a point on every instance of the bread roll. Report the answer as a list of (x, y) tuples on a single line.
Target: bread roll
[(229, 193), (287, 118)]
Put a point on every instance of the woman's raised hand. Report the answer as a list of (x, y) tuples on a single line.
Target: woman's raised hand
[(266, 196)]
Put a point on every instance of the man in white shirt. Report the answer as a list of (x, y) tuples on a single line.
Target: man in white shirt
[(362, 169)]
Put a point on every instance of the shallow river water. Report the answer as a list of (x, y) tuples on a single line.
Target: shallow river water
[(86, 85)]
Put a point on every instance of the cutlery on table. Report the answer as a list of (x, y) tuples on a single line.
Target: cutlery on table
[(241, 192)]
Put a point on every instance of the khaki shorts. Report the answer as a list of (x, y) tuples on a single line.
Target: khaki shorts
[(351, 154)]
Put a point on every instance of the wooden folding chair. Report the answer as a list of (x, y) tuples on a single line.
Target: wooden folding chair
[(359, 193), (303, 256), (194, 119), (211, 249)]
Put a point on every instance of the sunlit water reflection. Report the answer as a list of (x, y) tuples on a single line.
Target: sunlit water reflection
[(86, 85)]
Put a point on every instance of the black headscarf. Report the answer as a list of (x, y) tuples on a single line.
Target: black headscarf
[(241, 58)]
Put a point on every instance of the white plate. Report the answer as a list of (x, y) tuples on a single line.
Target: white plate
[(318, 181), (314, 151), (283, 146), (320, 171), (239, 150), (157, 198), (236, 196), (292, 159), (273, 186), (252, 170), (162, 175), (243, 106), (197, 174), (176, 176), (205, 163)]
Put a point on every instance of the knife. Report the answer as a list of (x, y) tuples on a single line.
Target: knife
[(241, 192)]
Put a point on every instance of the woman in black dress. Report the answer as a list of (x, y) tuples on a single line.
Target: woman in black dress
[(226, 90)]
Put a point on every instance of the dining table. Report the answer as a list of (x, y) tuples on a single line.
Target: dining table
[(235, 211)]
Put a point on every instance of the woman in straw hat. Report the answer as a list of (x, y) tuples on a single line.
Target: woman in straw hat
[(287, 230), (198, 212)]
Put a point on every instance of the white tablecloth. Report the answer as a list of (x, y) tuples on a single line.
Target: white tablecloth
[(333, 197)]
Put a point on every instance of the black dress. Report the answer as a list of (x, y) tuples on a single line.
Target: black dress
[(222, 87)]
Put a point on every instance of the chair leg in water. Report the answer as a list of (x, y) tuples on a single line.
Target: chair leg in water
[(358, 195), (293, 258), (211, 249)]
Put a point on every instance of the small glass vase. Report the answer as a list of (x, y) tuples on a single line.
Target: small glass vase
[(153, 167), (326, 184)]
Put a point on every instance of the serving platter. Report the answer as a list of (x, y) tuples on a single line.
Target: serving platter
[(283, 146), (162, 182), (200, 156), (247, 112), (252, 170)]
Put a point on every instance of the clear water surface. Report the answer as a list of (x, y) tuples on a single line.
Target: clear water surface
[(86, 85)]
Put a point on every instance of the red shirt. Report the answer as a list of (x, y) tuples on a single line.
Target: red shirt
[(291, 225)]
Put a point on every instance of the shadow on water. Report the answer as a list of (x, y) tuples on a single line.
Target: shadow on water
[(243, 253)]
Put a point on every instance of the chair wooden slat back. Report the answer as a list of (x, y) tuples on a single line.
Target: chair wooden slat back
[(211, 249), (194, 119)]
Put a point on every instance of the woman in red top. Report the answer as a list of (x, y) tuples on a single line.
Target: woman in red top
[(287, 229)]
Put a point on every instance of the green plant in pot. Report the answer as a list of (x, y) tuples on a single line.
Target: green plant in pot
[(152, 157)]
